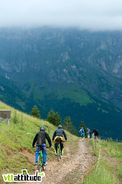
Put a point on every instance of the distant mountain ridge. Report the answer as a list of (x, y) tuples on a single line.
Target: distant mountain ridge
[(77, 73)]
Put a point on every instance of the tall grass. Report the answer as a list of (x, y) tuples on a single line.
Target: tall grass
[(106, 172), (120, 171), (101, 175)]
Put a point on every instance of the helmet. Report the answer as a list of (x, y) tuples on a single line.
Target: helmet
[(42, 129), (59, 126)]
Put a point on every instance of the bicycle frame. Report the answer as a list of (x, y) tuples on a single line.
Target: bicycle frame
[(58, 152)]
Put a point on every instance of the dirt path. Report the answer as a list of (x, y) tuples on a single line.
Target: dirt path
[(71, 168)]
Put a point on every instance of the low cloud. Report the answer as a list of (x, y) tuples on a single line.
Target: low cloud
[(86, 14)]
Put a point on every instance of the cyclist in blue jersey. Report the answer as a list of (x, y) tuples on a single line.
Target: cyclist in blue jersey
[(82, 132)]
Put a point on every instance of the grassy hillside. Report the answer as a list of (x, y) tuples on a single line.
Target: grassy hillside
[(72, 92), (14, 97), (18, 136), (108, 169)]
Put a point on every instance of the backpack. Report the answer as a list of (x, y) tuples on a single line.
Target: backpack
[(59, 132), (81, 131), (40, 138)]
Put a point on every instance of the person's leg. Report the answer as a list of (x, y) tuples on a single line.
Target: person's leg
[(44, 153), (56, 147), (83, 136), (61, 146), (36, 155)]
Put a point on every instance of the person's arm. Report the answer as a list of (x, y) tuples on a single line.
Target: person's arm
[(54, 136), (34, 140), (48, 139), (65, 136)]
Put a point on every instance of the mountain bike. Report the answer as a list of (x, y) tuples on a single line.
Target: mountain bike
[(59, 154), (40, 165), (58, 141)]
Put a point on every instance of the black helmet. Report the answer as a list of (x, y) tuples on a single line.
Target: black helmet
[(42, 129)]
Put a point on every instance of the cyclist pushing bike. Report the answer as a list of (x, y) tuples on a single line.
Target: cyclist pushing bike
[(59, 137), (40, 141)]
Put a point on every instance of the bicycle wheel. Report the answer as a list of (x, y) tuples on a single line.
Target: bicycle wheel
[(41, 166), (58, 152)]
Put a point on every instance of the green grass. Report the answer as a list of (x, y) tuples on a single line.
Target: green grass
[(101, 175), (18, 135), (120, 171), (108, 169), (74, 94), (114, 149)]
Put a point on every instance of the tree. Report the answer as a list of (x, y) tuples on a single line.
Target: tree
[(35, 111), (54, 118), (68, 125)]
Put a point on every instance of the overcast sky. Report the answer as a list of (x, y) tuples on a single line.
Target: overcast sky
[(87, 14)]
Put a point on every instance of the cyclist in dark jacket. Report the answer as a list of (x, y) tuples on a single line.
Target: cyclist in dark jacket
[(59, 137), (95, 134), (40, 141)]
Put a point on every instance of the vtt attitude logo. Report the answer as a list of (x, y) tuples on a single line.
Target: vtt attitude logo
[(23, 176)]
